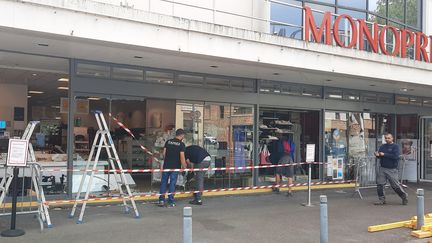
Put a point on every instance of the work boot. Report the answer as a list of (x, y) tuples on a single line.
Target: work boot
[(196, 202), (380, 202)]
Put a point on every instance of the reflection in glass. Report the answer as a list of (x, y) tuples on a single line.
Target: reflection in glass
[(396, 10), (242, 120), (282, 15), (412, 13), (360, 4), (84, 130), (335, 144), (217, 135)]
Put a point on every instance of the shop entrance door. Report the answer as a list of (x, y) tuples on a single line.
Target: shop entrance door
[(426, 148)]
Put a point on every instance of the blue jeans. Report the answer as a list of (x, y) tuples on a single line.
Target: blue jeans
[(172, 176)]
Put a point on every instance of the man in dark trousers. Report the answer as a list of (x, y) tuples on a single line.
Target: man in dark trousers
[(174, 158), (198, 157), (389, 154)]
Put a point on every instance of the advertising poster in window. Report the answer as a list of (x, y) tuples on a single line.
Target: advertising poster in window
[(408, 163)]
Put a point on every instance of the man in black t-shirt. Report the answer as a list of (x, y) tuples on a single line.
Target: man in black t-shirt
[(174, 158), (198, 157)]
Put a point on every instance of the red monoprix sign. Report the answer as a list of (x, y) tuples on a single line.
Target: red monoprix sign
[(404, 39)]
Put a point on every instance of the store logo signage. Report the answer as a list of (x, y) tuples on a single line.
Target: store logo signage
[(376, 38)]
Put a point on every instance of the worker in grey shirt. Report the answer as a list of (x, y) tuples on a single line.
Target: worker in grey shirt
[(389, 154), (198, 157)]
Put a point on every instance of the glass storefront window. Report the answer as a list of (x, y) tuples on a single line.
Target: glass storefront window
[(286, 19), (412, 13), (127, 74), (243, 85), (92, 70), (36, 88), (217, 136), (297, 128), (190, 80), (335, 144), (84, 132), (396, 10), (359, 4), (242, 122), (378, 7), (325, 1), (159, 77), (408, 140), (218, 83)]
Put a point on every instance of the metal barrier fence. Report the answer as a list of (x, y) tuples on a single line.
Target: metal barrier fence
[(31, 199)]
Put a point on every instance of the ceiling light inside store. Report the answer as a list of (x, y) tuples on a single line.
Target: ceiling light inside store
[(93, 98), (28, 96), (55, 106), (63, 80), (58, 118), (404, 89), (35, 92), (34, 74), (62, 88)]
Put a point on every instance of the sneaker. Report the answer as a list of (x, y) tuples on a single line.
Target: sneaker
[(161, 204), (380, 202), (404, 201), (171, 205), (196, 202)]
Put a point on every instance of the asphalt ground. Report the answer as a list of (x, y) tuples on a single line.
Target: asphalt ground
[(264, 217)]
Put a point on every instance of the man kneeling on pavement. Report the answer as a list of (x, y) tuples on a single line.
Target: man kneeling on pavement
[(198, 158)]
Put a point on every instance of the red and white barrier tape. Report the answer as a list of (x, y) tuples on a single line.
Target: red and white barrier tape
[(181, 170), (204, 191), (133, 136)]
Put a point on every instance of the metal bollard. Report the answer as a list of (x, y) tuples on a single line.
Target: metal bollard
[(187, 225), (309, 204), (323, 219), (420, 208)]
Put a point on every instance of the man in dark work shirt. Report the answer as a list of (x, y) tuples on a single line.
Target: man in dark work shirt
[(174, 158), (389, 154), (198, 157)]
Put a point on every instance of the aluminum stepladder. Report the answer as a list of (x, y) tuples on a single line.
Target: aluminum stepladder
[(36, 174), (103, 140)]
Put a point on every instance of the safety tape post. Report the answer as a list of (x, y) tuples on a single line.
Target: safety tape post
[(203, 191)]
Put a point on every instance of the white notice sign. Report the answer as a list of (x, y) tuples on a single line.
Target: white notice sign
[(310, 152), (17, 153)]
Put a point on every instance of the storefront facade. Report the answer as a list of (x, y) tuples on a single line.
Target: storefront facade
[(234, 104)]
